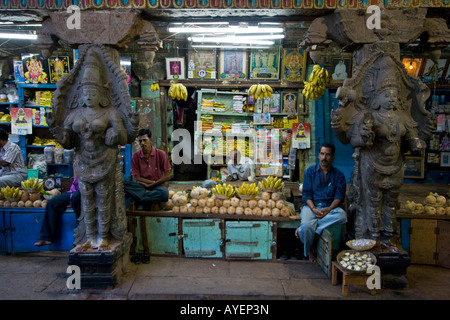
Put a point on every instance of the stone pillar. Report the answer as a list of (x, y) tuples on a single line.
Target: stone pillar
[(92, 113)]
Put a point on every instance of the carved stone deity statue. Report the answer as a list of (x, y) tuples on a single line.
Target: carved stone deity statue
[(382, 115), (92, 113)]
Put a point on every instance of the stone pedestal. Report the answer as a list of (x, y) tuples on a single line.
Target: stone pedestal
[(393, 268), (102, 269)]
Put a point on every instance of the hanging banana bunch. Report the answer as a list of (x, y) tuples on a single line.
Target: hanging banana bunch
[(318, 80), (178, 91), (260, 91), (154, 87)]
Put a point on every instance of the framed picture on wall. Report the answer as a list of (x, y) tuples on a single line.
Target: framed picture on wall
[(445, 159), (232, 64), (175, 68), (341, 68), (293, 65), (414, 167), (265, 64), (289, 100), (433, 72), (202, 64)]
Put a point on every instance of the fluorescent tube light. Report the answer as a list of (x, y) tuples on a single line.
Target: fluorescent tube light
[(229, 46), (21, 36), (230, 40), (230, 29)]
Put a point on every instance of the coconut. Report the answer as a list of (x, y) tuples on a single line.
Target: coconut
[(14, 204), (440, 200), (285, 212), (440, 211), (447, 211), (430, 210), (270, 204), (243, 203), (191, 209), (275, 212), (21, 204), (215, 210), (280, 204), (25, 197), (257, 211), (35, 196), (8, 204), (265, 195), (239, 210), (430, 199), (248, 211), (171, 194), (210, 202), (410, 206), (222, 210), (184, 209), (168, 205), (28, 204), (252, 204), (266, 212), (231, 210), (219, 203), (226, 203), (37, 204), (43, 203), (202, 203), (275, 196), (199, 209), (206, 210), (176, 209), (2, 203), (234, 202), (194, 202), (262, 204), (195, 194)]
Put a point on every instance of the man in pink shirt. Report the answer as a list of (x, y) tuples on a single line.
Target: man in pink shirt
[(150, 171)]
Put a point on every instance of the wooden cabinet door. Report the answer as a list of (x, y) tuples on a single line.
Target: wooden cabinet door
[(443, 244), (423, 241)]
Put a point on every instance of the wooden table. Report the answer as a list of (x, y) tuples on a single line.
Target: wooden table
[(348, 278)]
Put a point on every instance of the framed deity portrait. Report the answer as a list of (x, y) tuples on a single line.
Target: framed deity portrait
[(293, 65), (445, 159), (414, 167), (35, 68), (202, 64), (58, 67), (265, 64), (341, 68), (233, 64), (289, 100), (432, 72), (413, 65), (175, 68)]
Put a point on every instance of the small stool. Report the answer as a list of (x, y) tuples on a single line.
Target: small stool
[(348, 278)]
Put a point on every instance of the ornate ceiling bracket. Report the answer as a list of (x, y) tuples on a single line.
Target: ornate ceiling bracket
[(115, 28)]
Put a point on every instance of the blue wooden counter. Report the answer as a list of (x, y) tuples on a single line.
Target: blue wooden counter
[(20, 229)]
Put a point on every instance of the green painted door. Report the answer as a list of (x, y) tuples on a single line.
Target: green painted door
[(162, 235), (202, 238), (248, 239)]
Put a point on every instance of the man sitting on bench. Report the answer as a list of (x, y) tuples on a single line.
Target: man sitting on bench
[(150, 171), (323, 193)]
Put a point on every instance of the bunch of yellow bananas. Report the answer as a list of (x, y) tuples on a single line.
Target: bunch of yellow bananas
[(318, 80), (154, 87), (248, 189), (32, 183), (271, 182), (178, 91), (224, 189), (260, 91), (12, 193)]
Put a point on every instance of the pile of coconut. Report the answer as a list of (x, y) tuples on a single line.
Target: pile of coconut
[(434, 204), (201, 201), (31, 200)]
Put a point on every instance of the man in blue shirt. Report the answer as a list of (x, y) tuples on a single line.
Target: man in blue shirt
[(323, 194)]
